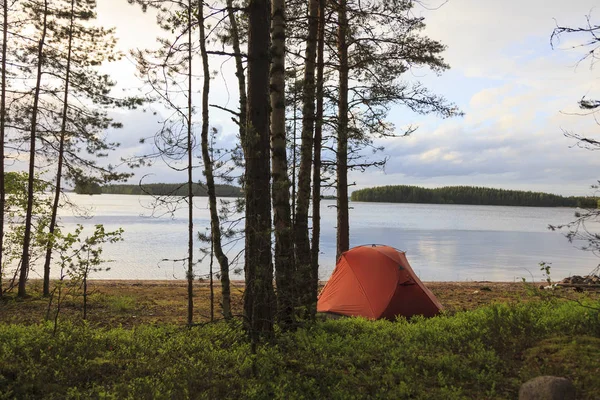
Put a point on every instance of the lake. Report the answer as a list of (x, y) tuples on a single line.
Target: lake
[(442, 242)]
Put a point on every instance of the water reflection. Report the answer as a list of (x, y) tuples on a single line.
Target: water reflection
[(440, 255)]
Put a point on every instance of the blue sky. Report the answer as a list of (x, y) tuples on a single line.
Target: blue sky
[(516, 92)]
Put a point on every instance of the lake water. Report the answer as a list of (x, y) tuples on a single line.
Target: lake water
[(442, 242)]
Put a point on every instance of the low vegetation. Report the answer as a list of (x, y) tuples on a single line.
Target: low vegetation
[(485, 352), (471, 195)]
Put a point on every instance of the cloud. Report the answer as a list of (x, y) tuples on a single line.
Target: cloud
[(517, 93)]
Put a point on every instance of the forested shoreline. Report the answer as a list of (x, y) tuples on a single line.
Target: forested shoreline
[(170, 189), (470, 195)]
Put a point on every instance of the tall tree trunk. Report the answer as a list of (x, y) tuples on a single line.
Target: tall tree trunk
[(190, 270), (294, 148), (301, 237), (316, 194), (343, 226), (208, 172), (2, 124), (211, 281), (63, 134), (259, 295), (22, 292), (284, 247), (239, 71)]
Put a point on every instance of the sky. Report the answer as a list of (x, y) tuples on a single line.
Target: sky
[(517, 91)]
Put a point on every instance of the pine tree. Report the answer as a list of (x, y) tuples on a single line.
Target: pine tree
[(168, 71), (37, 11), (301, 236), (259, 297), (316, 193), (85, 94), (284, 245), (208, 172), (5, 16)]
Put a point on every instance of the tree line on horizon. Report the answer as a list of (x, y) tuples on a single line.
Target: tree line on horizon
[(471, 195), (158, 189)]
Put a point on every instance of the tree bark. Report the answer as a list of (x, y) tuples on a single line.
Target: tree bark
[(2, 124), (57, 188), (316, 194), (259, 295), (301, 237), (239, 71), (208, 172), (343, 227), (22, 291), (294, 148), (284, 247), (190, 270)]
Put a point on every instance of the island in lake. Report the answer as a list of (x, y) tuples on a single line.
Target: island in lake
[(471, 195)]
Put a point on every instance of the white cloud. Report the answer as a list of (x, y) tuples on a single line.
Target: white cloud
[(518, 95), (505, 76)]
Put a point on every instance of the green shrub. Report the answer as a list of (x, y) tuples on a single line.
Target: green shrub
[(485, 353)]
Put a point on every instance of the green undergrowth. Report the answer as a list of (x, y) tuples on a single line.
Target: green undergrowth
[(481, 354)]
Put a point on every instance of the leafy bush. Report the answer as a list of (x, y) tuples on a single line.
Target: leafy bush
[(480, 354)]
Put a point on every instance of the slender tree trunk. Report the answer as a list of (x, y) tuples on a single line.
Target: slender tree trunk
[(343, 227), (316, 194), (63, 134), (239, 70), (301, 237), (85, 275), (2, 124), (294, 129), (22, 292), (284, 247), (259, 296), (211, 281), (190, 270), (208, 172)]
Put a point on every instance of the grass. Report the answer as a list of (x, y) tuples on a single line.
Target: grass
[(575, 357), (121, 304)]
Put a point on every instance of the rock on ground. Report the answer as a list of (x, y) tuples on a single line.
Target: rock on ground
[(547, 388)]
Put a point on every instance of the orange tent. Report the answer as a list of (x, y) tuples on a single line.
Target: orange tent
[(376, 281)]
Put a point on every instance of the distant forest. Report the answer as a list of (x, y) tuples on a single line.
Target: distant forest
[(159, 189), (469, 195)]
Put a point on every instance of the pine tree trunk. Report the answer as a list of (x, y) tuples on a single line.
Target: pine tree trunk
[(190, 198), (301, 237), (316, 194), (2, 124), (343, 227), (294, 148), (22, 291), (284, 250), (259, 296), (57, 188), (239, 70), (208, 172)]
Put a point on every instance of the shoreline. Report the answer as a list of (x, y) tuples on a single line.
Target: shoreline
[(241, 283), (131, 303)]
